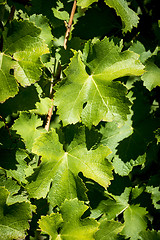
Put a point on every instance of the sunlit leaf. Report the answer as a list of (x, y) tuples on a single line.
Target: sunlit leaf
[(69, 224)]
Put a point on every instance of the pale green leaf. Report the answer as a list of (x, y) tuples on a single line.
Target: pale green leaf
[(108, 230), (94, 97), (42, 23), (128, 16), (139, 48), (155, 195), (151, 77), (14, 218), (69, 222), (26, 126), (50, 224), (135, 221), (27, 68), (61, 168), (85, 3), (124, 168), (8, 84)]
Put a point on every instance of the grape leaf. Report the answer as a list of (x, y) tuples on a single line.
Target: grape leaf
[(26, 126), (128, 16), (149, 235), (94, 97), (108, 230), (8, 84), (13, 189), (22, 40), (19, 36), (13, 218), (155, 195), (69, 224), (42, 23), (151, 76), (113, 206), (135, 221), (112, 134), (22, 169), (85, 3), (61, 168)]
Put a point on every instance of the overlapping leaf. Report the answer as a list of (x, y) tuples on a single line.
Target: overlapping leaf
[(68, 224), (149, 235), (21, 40), (151, 76), (108, 230), (60, 168), (26, 126), (135, 221), (13, 218), (8, 83), (113, 206), (155, 195), (128, 16), (95, 96)]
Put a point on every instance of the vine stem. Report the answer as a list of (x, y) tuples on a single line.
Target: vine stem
[(70, 24)]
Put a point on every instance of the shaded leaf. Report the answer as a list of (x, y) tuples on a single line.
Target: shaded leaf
[(13, 218), (113, 206), (128, 16), (149, 235), (155, 195)]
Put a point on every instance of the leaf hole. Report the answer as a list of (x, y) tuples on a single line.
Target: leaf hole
[(12, 71), (84, 105)]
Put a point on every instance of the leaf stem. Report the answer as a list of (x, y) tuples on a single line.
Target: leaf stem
[(70, 24)]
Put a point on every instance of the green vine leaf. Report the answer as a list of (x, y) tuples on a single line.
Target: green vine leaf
[(26, 126), (155, 195), (151, 76), (22, 40), (8, 83), (128, 16), (43, 23), (149, 235), (135, 221), (95, 96), (68, 224), (61, 168), (13, 218), (108, 230)]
